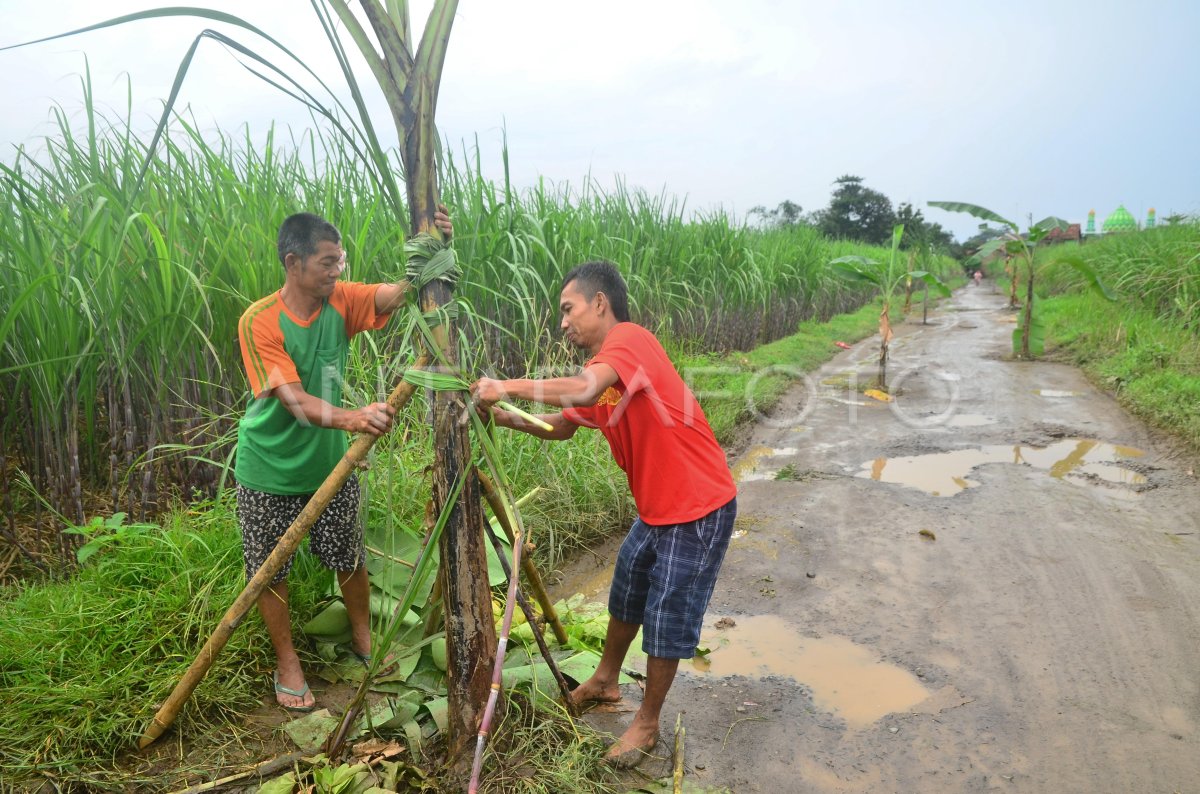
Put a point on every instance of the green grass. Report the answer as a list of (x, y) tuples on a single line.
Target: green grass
[(1157, 270), (84, 661), (736, 388), (1143, 347), (1150, 362)]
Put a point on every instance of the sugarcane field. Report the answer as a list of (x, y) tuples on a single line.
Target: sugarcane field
[(625, 398)]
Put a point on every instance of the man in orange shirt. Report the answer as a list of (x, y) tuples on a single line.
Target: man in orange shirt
[(685, 496), (295, 343)]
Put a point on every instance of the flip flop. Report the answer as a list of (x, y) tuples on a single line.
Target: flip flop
[(387, 669), (280, 689)]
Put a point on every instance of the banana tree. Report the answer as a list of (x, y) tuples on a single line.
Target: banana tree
[(886, 278), (408, 72), (1029, 337)]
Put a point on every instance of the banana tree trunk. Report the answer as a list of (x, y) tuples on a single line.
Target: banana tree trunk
[(908, 284), (466, 596), (1028, 315), (885, 338), (409, 78), (462, 575), (1014, 271)]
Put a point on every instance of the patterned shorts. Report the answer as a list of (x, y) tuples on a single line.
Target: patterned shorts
[(664, 579), (336, 539)]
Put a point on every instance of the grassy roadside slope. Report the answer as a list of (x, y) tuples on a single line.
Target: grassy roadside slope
[(1151, 363), (1144, 347)]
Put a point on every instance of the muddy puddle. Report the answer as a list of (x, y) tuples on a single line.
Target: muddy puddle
[(846, 679), (1085, 462), (754, 465)]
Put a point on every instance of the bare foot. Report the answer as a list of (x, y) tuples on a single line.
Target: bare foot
[(595, 691), (635, 744)]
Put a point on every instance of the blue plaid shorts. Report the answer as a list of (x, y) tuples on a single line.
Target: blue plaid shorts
[(664, 579)]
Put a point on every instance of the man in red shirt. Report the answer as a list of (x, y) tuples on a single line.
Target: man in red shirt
[(685, 496)]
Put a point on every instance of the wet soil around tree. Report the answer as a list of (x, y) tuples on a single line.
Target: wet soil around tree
[(991, 583)]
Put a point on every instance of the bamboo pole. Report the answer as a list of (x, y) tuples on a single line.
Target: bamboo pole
[(283, 551), (531, 572), (531, 618), (485, 723), (268, 767)]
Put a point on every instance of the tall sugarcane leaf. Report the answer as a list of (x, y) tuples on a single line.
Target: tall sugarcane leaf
[(384, 173), (181, 72), (1090, 275), (304, 96), (154, 13), (975, 210)]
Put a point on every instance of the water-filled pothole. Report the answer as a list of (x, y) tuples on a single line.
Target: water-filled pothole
[(846, 679), (1076, 460), (751, 466)]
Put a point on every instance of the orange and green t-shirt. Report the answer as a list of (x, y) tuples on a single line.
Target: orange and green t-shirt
[(276, 452)]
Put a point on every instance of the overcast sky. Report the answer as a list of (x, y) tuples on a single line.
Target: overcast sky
[(1028, 108)]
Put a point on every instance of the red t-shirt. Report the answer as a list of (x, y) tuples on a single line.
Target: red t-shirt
[(657, 431)]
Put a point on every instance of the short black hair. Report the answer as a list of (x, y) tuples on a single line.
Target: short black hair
[(301, 233), (601, 276)]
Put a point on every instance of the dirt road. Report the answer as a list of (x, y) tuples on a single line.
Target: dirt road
[(992, 583)]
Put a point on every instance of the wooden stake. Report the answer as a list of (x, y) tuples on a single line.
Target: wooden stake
[(283, 551), (268, 767), (679, 731), (531, 619), (531, 572)]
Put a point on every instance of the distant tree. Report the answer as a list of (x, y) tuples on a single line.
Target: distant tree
[(920, 233), (788, 213), (985, 234), (856, 212)]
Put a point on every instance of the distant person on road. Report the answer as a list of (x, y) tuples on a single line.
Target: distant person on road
[(978, 277), (686, 499), (295, 343)]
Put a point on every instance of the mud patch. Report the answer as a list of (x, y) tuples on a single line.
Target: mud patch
[(845, 679), (793, 473), (970, 420)]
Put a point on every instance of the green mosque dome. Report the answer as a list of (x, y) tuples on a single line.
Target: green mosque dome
[(1119, 221)]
